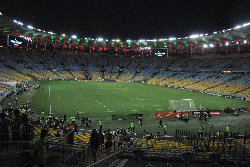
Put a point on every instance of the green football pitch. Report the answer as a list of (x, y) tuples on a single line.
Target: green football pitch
[(103, 99)]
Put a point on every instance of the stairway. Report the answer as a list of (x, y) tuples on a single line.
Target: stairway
[(241, 90), (234, 78)]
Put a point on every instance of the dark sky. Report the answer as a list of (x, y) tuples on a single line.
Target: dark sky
[(129, 19)]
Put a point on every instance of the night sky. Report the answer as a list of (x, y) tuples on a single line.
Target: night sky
[(129, 19)]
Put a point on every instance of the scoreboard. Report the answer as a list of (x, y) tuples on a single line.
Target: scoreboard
[(17, 42)]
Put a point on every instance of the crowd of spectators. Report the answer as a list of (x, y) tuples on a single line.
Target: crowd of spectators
[(199, 74)]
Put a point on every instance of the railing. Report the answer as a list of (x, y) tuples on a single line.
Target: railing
[(242, 151), (10, 147), (80, 154), (232, 145), (107, 160)]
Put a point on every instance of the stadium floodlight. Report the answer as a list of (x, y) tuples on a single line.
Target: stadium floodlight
[(154, 40), (201, 35), (205, 46), (38, 29), (63, 35), (246, 24), (171, 38), (194, 36), (141, 40), (20, 23), (73, 36), (117, 40), (30, 27), (128, 40), (237, 27), (227, 43), (206, 34), (14, 21), (179, 38), (99, 39), (1, 13), (245, 41), (211, 45), (215, 32)]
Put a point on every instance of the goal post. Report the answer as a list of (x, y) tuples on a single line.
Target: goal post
[(182, 105)]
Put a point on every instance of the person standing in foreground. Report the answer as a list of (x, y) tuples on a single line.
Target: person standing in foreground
[(132, 127), (101, 123), (165, 128), (42, 115), (77, 114), (140, 120), (200, 131), (82, 121), (160, 123), (94, 143), (108, 143), (73, 120), (64, 117), (227, 130)]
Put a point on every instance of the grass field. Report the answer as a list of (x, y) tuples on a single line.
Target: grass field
[(102, 99), (126, 98)]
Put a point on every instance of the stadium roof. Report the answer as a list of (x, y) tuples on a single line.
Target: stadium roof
[(238, 34)]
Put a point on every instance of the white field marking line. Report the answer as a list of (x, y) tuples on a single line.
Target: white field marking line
[(159, 109), (50, 107), (144, 99), (109, 111), (49, 90), (112, 88), (140, 99), (103, 106), (157, 105), (134, 110)]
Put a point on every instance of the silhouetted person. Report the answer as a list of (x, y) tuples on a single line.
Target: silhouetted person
[(108, 143), (94, 143), (160, 122)]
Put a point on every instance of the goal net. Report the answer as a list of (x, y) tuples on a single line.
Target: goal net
[(182, 105)]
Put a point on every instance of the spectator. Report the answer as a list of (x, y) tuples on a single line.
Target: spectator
[(4, 129), (101, 123), (140, 120), (160, 122), (108, 143), (64, 117), (94, 143), (16, 127), (82, 121)]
